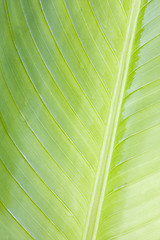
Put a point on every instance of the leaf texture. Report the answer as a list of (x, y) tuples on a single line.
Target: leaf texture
[(79, 119)]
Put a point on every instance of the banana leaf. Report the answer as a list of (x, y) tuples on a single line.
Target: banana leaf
[(79, 119)]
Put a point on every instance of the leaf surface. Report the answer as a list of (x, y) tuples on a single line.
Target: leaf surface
[(79, 119)]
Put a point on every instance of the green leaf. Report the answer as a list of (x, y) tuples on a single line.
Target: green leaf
[(80, 119)]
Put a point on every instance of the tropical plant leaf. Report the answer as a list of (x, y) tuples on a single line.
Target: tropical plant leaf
[(80, 114)]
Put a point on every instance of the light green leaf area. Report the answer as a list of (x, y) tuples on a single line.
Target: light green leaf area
[(79, 119)]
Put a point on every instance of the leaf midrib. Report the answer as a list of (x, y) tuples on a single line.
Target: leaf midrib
[(93, 217)]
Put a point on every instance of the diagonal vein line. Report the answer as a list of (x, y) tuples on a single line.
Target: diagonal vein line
[(144, 64), (32, 199), (48, 70), (25, 209), (146, 4), (46, 20), (100, 28), (146, 24), (127, 160), (37, 174), (142, 109), (119, 29), (136, 133), (94, 40), (82, 45), (139, 88), (84, 50), (122, 6), (118, 212), (44, 104), (11, 214), (144, 44), (132, 183), (137, 227), (47, 153), (61, 92)]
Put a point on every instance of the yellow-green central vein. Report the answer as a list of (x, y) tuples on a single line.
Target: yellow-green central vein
[(92, 222)]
